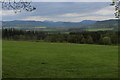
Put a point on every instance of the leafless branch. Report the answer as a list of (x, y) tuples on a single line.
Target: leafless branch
[(17, 5), (116, 3)]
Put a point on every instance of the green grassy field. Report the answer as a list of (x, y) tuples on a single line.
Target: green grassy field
[(58, 60), (99, 29)]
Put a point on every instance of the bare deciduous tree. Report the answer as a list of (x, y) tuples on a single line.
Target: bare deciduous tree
[(116, 3), (17, 5)]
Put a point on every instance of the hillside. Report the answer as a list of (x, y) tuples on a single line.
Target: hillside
[(50, 24)]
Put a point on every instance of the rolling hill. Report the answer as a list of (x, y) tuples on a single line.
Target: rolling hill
[(113, 23)]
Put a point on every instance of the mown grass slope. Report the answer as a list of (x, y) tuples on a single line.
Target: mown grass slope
[(58, 60)]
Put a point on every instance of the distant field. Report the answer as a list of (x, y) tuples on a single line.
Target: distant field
[(99, 29), (58, 60)]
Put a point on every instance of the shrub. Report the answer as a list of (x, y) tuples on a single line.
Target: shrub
[(106, 40)]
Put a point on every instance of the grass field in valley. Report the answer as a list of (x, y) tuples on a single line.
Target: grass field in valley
[(58, 60)]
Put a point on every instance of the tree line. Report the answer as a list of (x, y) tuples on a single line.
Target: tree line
[(85, 37)]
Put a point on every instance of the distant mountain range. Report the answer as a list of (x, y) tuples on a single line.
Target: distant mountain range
[(88, 22), (113, 23)]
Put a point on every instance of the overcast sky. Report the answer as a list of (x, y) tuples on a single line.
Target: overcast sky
[(63, 11), (71, 0)]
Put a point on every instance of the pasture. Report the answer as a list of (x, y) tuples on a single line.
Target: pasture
[(25, 59), (99, 29)]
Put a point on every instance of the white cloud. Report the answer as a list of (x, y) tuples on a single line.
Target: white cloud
[(64, 0), (71, 0), (102, 14), (106, 11), (68, 18), (97, 18), (71, 15), (36, 18), (7, 13)]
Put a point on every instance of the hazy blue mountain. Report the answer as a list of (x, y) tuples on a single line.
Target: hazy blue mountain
[(40, 23), (88, 22), (107, 23), (50, 24)]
